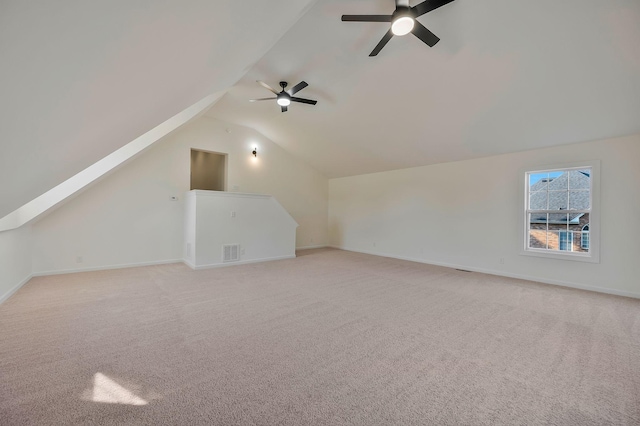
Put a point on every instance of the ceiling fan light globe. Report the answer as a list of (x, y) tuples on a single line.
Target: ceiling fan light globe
[(402, 25), (283, 101)]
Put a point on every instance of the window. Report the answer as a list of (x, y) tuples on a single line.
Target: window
[(559, 209), (584, 238), (565, 240)]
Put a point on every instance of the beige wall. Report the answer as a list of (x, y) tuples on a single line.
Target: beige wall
[(468, 214), (128, 217)]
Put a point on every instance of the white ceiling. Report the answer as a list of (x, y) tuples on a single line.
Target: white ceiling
[(80, 79), (506, 76)]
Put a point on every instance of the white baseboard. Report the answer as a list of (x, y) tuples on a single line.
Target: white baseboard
[(312, 247), (242, 262), (106, 267), (501, 273), (8, 294)]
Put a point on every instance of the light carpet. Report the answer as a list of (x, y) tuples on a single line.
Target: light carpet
[(328, 338)]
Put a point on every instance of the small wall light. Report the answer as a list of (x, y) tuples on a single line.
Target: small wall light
[(255, 152)]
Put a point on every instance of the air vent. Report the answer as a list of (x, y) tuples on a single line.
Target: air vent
[(230, 252)]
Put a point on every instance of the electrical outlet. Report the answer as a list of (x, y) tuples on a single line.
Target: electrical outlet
[(233, 214), (502, 260), (241, 251), (374, 244), (79, 259)]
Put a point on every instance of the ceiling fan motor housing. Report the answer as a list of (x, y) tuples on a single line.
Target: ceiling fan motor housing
[(402, 11), (402, 21), (283, 99)]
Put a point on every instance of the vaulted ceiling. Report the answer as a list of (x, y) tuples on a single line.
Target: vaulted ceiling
[(506, 76), (81, 79)]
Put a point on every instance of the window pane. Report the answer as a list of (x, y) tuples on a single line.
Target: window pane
[(538, 220), (558, 221), (574, 219), (538, 238), (558, 200), (538, 200), (581, 238), (579, 200), (537, 230), (553, 240), (580, 179), (558, 181), (584, 242), (538, 181), (565, 240)]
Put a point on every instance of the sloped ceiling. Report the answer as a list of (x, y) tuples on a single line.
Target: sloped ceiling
[(506, 76), (81, 79)]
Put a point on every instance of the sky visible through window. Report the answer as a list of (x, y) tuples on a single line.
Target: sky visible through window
[(535, 177)]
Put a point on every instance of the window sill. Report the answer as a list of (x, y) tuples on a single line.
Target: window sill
[(589, 258)]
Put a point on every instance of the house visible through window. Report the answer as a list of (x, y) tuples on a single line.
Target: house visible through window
[(565, 240), (558, 209), (584, 239)]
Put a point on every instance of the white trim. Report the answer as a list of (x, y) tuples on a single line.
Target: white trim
[(560, 254), (242, 262), (107, 267), (503, 274), (312, 247), (203, 192), (10, 293)]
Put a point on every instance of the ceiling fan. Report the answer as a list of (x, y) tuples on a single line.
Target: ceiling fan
[(284, 98), (403, 21)]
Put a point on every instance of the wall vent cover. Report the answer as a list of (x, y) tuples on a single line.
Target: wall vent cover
[(230, 252)]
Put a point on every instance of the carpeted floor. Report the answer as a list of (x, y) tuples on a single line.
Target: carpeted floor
[(328, 338)]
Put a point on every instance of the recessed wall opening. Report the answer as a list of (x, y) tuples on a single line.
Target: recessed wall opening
[(208, 170)]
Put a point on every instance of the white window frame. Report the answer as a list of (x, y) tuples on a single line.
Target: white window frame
[(593, 255)]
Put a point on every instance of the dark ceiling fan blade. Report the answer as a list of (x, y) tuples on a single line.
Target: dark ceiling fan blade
[(382, 43), (424, 34), (298, 87), (283, 108), (266, 86), (367, 18), (303, 101), (262, 99), (428, 6)]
